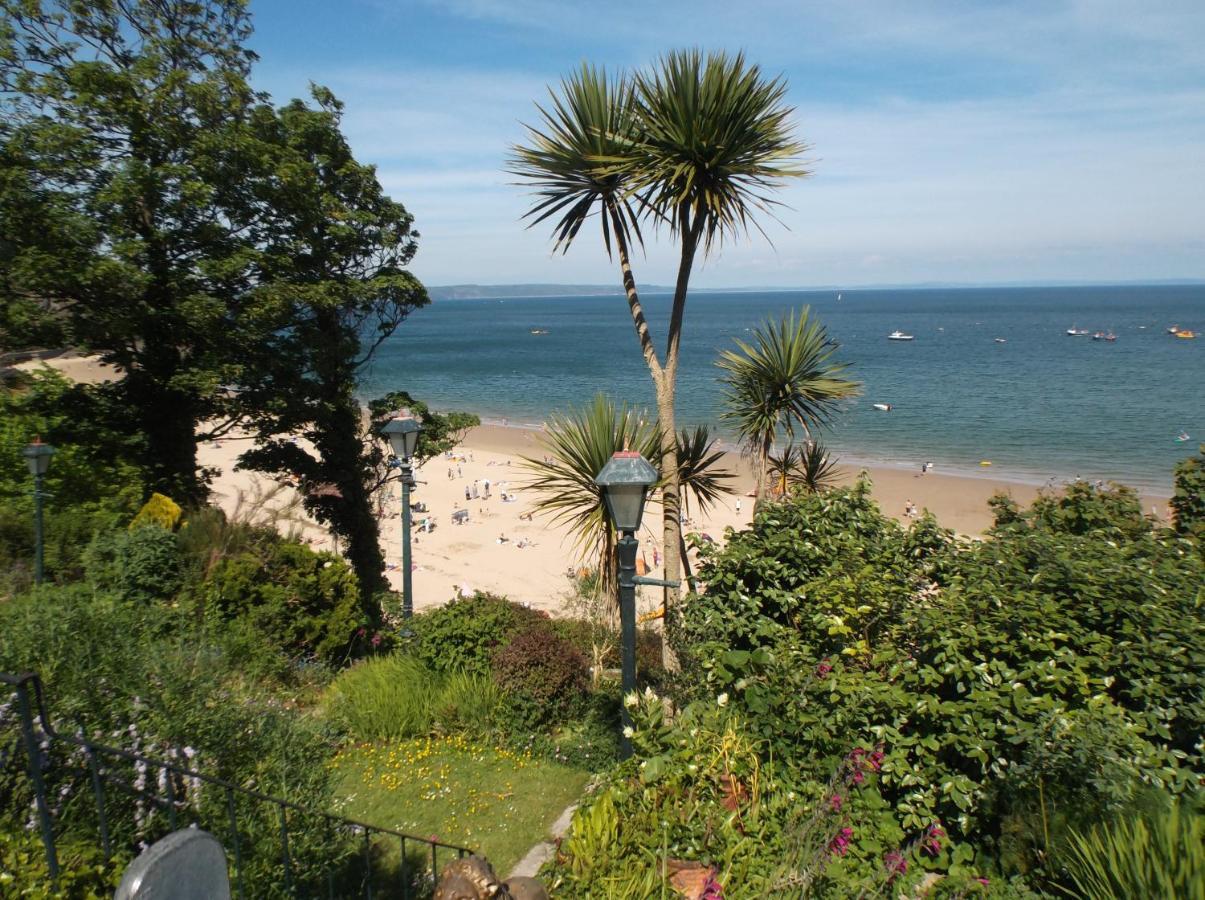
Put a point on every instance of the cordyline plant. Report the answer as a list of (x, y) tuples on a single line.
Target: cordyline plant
[(696, 145)]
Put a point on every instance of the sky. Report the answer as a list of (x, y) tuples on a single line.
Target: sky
[(949, 142)]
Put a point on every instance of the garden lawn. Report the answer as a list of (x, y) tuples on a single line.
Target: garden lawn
[(497, 802)]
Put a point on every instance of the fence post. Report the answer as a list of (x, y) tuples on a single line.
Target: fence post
[(34, 755)]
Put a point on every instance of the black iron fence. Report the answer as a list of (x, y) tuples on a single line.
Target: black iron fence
[(73, 790)]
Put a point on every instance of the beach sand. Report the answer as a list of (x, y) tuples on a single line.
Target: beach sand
[(532, 564)]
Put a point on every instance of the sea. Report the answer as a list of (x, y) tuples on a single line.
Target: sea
[(991, 376)]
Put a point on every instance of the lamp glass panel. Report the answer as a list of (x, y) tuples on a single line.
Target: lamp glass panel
[(626, 504)]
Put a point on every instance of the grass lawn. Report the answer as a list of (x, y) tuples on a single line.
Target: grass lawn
[(459, 790)]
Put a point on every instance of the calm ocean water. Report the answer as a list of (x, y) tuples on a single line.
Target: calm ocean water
[(1041, 405)]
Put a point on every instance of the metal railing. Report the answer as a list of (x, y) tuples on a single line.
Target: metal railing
[(344, 857)]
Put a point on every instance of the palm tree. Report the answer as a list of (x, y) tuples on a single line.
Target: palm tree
[(699, 476), (577, 445), (784, 379), (697, 144), (810, 467)]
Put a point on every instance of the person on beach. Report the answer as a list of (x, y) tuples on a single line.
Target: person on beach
[(738, 506), (467, 495)]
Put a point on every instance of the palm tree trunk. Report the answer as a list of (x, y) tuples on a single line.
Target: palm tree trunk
[(666, 390)]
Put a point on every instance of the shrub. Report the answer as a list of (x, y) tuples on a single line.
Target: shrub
[(140, 565), (543, 676), (1061, 657), (384, 698), (159, 510), (1188, 501), (303, 601), (1160, 855), (463, 635)]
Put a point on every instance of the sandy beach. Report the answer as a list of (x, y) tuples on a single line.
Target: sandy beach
[(502, 548)]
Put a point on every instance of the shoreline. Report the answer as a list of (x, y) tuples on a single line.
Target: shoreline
[(1002, 476), (958, 500)]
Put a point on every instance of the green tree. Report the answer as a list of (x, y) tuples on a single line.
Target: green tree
[(115, 124), (332, 285), (696, 144), (785, 379), (1188, 501)]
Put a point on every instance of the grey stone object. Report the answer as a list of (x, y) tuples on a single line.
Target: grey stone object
[(186, 865)]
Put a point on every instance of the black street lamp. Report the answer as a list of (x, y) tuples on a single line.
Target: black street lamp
[(625, 481), (37, 456), (402, 431)]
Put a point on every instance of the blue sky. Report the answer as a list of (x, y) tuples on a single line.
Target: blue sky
[(974, 141)]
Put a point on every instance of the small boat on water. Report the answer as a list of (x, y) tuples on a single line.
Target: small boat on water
[(1104, 336), (1076, 332), (900, 336), (1173, 329), (1000, 340), (1185, 333), (1182, 437), (539, 331), (883, 407)]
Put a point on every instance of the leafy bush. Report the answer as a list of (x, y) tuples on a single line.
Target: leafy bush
[(140, 565), (159, 510), (384, 698), (463, 635), (1188, 501), (1160, 855), (1061, 657), (542, 674), (303, 601)]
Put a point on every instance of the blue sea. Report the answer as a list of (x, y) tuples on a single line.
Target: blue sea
[(1039, 406)]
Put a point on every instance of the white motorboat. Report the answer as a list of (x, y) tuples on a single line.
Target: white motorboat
[(884, 407), (1077, 332), (900, 336)]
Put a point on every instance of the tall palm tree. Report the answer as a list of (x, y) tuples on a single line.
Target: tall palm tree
[(784, 379), (697, 143), (577, 445)]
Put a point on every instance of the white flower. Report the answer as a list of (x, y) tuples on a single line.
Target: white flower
[(722, 700), (628, 731), (648, 694), (631, 700)]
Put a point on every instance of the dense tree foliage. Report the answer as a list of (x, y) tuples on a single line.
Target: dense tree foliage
[(115, 123), (331, 285)]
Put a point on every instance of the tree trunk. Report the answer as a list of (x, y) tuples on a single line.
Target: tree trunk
[(666, 390), (671, 509)]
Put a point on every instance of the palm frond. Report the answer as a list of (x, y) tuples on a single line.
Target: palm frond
[(715, 137), (785, 379), (698, 472), (577, 445), (569, 158)]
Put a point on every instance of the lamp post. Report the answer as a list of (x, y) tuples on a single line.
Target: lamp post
[(37, 457), (625, 481), (402, 431)]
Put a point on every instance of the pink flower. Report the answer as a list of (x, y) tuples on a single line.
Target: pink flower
[(361, 632), (931, 843), (376, 640), (896, 864), (834, 802), (839, 845), (824, 668)]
